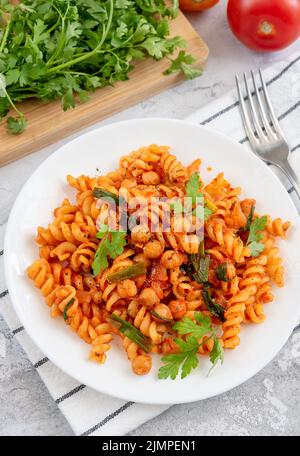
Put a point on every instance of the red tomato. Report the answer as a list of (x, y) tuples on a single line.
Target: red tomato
[(196, 5), (265, 25)]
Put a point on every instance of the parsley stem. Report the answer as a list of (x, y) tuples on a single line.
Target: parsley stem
[(4, 37), (91, 53), (60, 44), (13, 104)]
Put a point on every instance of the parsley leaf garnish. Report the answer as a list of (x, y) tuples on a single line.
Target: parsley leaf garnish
[(186, 359), (255, 235), (193, 187), (111, 245), (217, 354), (197, 329)]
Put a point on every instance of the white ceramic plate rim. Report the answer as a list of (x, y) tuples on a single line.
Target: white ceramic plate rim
[(105, 388)]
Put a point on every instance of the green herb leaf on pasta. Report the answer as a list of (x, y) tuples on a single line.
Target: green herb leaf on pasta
[(215, 309), (200, 263), (185, 361), (256, 248), (193, 187), (198, 329), (111, 245), (131, 332), (255, 235), (68, 305), (249, 219), (217, 354), (221, 272)]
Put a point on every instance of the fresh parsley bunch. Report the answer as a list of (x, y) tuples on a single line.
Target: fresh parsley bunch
[(53, 49)]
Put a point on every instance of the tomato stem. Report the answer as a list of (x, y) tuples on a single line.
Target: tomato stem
[(266, 28)]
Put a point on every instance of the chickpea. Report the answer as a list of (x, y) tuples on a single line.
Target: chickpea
[(142, 364), (96, 296), (133, 308), (127, 288), (128, 183), (150, 178), (153, 249), (89, 281), (171, 259), (140, 258), (148, 297), (140, 234), (163, 311), (178, 309), (230, 272)]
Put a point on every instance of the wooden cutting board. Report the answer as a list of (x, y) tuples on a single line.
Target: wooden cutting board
[(47, 123)]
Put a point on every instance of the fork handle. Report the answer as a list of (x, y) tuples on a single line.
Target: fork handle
[(291, 175)]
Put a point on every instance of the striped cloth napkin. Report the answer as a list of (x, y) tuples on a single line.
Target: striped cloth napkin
[(92, 413)]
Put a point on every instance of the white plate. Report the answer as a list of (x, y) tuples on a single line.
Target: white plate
[(102, 148)]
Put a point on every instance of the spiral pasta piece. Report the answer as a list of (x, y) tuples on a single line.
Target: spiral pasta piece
[(274, 267), (40, 272), (277, 227), (82, 257), (101, 343), (234, 316), (146, 325), (172, 168)]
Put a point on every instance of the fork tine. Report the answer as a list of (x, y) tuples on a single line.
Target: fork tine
[(245, 116), (272, 114), (263, 114), (253, 112)]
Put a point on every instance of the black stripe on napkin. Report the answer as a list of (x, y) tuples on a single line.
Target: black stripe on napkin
[(70, 393), (41, 362), (284, 70), (17, 330), (108, 418), (291, 109), (234, 105), (1, 252), (220, 113), (282, 116), (4, 293), (295, 148)]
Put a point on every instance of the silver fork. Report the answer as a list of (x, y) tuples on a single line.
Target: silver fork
[(263, 130)]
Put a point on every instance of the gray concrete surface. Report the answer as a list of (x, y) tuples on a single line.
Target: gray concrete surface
[(269, 403)]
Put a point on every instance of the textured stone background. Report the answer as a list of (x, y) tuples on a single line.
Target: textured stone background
[(269, 403)]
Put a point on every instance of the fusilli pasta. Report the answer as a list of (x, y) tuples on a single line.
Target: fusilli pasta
[(148, 283)]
